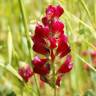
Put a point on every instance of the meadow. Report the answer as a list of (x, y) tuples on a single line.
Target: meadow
[(18, 19)]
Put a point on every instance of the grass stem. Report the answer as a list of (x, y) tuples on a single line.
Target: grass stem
[(27, 36)]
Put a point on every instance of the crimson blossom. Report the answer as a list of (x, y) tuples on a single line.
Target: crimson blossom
[(50, 41)]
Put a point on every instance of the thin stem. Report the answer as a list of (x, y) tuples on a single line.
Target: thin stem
[(27, 36), (53, 73)]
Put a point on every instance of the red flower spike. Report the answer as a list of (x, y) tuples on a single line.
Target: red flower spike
[(50, 41), (63, 48), (25, 72), (59, 11), (67, 66), (50, 12), (58, 80)]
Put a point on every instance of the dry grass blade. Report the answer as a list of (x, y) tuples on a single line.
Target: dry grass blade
[(76, 19), (85, 62), (86, 8), (12, 70)]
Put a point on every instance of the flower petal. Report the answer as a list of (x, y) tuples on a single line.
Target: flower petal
[(52, 42), (59, 11), (67, 66), (63, 48), (37, 62), (45, 21), (40, 66), (57, 27), (39, 45), (50, 12)]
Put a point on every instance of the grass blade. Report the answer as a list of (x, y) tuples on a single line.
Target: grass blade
[(10, 45), (85, 62)]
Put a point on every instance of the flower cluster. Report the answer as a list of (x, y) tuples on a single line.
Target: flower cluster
[(50, 41)]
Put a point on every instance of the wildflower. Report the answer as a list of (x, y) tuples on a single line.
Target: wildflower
[(50, 41), (25, 72)]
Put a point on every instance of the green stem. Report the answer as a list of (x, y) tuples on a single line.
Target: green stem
[(27, 36), (53, 73), (25, 26)]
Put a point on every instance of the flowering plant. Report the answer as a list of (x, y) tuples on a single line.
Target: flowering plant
[(51, 42)]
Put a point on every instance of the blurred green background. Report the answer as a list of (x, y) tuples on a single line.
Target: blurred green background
[(80, 25)]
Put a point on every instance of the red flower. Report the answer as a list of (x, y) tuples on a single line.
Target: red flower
[(40, 66), (63, 48), (38, 39), (52, 11), (25, 72), (67, 66), (49, 39), (57, 28), (59, 11)]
